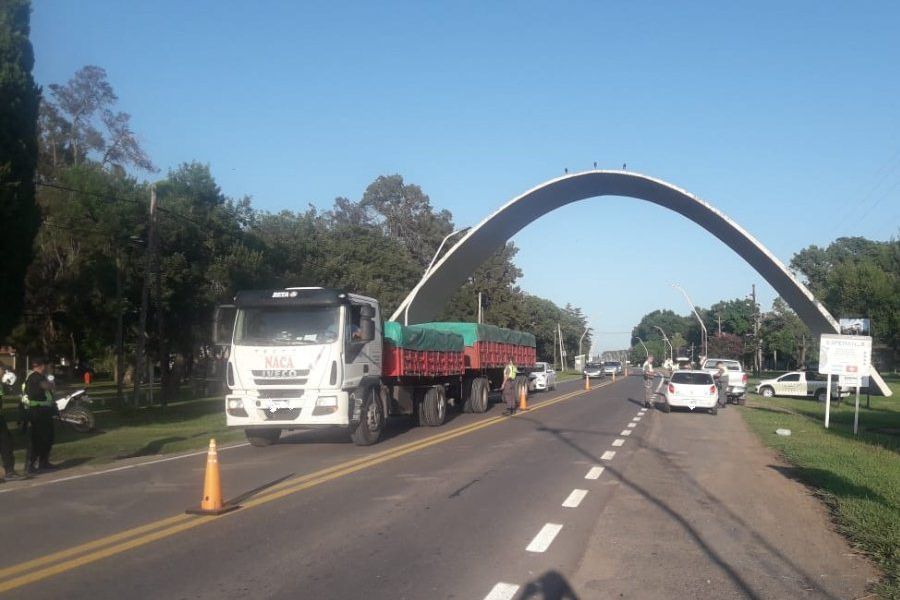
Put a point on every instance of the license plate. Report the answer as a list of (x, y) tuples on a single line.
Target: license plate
[(278, 404)]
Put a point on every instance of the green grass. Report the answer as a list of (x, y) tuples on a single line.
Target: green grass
[(857, 476), (138, 432)]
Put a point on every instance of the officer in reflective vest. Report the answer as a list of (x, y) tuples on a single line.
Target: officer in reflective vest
[(509, 387), (6, 441), (40, 409)]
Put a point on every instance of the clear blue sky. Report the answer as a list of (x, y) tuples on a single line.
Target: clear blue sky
[(785, 115)]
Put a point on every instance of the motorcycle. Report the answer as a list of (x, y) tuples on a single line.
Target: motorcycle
[(75, 410)]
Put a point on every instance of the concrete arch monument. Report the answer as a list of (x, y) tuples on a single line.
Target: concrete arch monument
[(430, 295)]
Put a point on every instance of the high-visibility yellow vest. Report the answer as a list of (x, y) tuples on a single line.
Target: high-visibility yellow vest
[(510, 372), (30, 402)]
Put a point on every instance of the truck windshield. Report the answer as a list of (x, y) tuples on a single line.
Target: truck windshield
[(271, 325)]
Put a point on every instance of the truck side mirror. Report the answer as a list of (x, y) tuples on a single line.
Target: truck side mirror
[(223, 324)]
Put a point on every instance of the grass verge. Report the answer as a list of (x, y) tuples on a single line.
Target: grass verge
[(138, 432), (858, 477)]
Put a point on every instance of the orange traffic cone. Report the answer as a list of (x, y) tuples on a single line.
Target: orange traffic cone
[(587, 382), (212, 503), (523, 397)]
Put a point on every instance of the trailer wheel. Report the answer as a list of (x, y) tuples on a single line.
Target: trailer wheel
[(434, 407), (521, 383), (371, 420), (261, 438), (479, 396)]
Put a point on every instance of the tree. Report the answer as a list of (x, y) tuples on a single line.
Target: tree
[(404, 212), (80, 122), (19, 214), (857, 277)]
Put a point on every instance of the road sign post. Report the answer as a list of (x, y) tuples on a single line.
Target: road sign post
[(850, 358)]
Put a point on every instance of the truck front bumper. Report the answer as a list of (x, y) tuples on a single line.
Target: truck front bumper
[(309, 408)]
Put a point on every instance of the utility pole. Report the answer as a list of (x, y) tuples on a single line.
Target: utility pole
[(555, 350), (719, 319), (479, 308), (120, 329), (562, 348), (160, 332), (757, 355), (139, 358)]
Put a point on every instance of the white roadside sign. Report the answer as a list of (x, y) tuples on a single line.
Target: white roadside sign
[(845, 355)]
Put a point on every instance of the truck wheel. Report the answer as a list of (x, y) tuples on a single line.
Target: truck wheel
[(714, 410), (767, 392), (371, 420), (666, 407), (261, 438), (434, 407), (821, 395), (479, 396)]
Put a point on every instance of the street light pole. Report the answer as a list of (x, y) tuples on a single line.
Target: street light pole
[(428, 270), (690, 302), (671, 351), (647, 352), (581, 339)]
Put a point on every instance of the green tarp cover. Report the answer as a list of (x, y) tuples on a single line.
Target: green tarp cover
[(417, 337), (473, 332)]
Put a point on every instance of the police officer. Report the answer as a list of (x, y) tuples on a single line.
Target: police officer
[(649, 376), (6, 441), (509, 387), (721, 378), (37, 398)]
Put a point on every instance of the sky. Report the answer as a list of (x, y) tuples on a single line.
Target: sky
[(784, 115)]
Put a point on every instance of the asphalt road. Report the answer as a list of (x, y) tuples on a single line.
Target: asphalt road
[(558, 500)]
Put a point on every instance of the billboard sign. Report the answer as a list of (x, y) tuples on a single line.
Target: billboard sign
[(847, 355), (855, 326)]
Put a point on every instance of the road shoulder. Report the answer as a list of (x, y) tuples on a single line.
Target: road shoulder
[(705, 509)]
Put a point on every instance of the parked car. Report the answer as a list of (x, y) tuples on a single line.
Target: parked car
[(801, 384), (737, 378), (612, 367), (691, 389), (543, 377), (593, 370)]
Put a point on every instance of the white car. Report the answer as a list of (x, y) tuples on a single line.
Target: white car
[(801, 384), (691, 389), (543, 377)]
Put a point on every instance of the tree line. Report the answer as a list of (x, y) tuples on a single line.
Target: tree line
[(852, 276), (86, 278)]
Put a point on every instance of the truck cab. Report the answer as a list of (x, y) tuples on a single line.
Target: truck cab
[(297, 357)]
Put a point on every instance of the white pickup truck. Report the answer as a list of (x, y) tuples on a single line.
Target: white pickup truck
[(737, 378), (800, 384)]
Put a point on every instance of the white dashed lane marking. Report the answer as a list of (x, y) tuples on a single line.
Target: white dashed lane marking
[(574, 499), (618, 442), (544, 538), (626, 432), (594, 473), (502, 591), (632, 424), (608, 455)]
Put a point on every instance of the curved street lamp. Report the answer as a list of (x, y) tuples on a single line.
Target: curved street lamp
[(671, 351), (705, 336)]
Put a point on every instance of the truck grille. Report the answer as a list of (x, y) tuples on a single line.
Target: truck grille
[(280, 376), (270, 393)]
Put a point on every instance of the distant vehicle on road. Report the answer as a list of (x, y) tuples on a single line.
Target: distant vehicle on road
[(612, 367), (691, 389), (593, 370), (801, 384), (737, 378), (543, 377)]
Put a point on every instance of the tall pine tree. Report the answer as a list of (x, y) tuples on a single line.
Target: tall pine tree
[(19, 101)]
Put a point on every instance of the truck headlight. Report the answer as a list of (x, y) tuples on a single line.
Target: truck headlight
[(235, 407), (325, 405)]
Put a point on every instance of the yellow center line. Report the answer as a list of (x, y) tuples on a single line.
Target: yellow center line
[(117, 543)]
